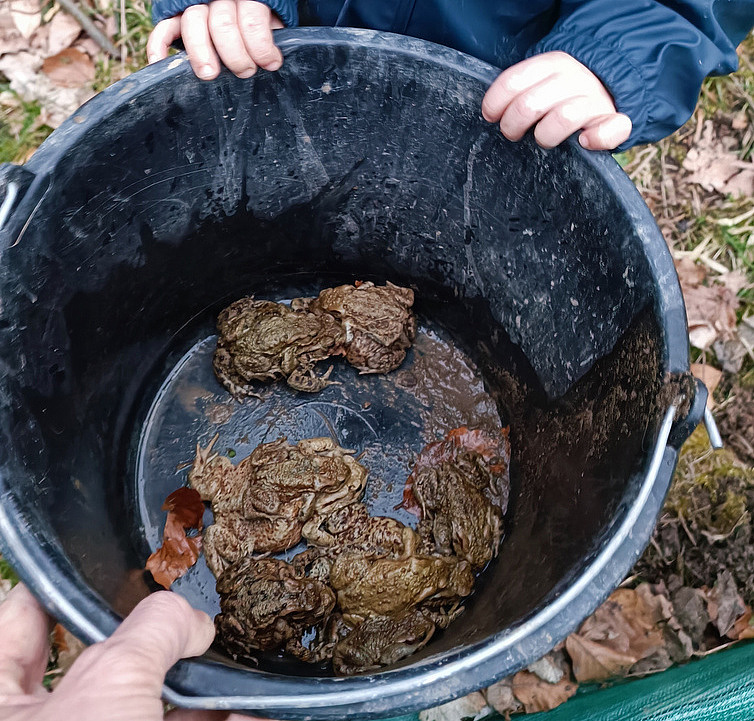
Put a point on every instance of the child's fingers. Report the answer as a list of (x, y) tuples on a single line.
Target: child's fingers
[(196, 38), (256, 22), (226, 37), (160, 39), (563, 120), (513, 81), (607, 132), (532, 105)]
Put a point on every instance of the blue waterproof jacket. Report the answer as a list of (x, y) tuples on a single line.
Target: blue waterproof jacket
[(651, 54)]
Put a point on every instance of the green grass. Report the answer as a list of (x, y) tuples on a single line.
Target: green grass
[(717, 230), (20, 133), (6, 572)]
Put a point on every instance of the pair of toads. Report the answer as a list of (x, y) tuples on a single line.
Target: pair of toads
[(373, 589), (260, 340)]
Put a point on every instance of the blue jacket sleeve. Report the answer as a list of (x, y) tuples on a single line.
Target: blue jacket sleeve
[(162, 9), (652, 55)]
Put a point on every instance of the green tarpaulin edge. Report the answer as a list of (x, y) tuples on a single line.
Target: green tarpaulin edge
[(719, 687)]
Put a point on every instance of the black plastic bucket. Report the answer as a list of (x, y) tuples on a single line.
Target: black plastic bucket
[(364, 157)]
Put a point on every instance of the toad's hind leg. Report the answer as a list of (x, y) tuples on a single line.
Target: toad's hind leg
[(304, 379)]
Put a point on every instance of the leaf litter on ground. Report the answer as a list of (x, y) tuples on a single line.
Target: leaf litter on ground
[(48, 59)]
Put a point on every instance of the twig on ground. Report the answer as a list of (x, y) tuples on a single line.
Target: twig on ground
[(89, 27)]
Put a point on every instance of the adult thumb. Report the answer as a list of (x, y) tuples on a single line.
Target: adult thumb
[(162, 629)]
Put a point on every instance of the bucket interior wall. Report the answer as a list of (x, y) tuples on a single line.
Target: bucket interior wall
[(204, 192)]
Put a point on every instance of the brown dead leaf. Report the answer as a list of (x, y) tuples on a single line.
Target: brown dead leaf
[(710, 309), (596, 661), (63, 31), (690, 273), (712, 164), (551, 668), (709, 375), (727, 602), (88, 46), (730, 354), (178, 552), (11, 39), (27, 15), (67, 649), (735, 280), (538, 695), (471, 706), (621, 632), (70, 68), (500, 697), (743, 627), (57, 103)]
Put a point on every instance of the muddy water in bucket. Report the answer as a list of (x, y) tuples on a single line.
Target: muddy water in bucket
[(385, 418)]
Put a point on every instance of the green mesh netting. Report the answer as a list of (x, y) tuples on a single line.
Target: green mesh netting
[(719, 687)]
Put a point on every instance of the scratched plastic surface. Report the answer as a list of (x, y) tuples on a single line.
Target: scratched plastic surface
[(385, 419)]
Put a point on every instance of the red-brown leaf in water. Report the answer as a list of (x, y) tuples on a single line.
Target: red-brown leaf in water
[(493, 448), (187, 505), (178, 552)]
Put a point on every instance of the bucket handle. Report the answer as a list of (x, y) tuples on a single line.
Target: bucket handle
[(698, 412)]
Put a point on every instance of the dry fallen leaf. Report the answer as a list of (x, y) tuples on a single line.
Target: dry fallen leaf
[(725, 603), (11, 39), (178, 552), (472, 706), (712, 164), (500, 697), (63, 31), (617, 635), (26, 14), (708, 375), (710, 309), (743, 627), (547, 668), (538, 695), (67, 649), (596, 661), (70, 68), (689, 272)]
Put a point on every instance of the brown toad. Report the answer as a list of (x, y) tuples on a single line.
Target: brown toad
[(266, 604), (463, 521), (378, 322), (387, 586), (259, 340), (352, 528), (381, 641), (262, 503), (459, 487)]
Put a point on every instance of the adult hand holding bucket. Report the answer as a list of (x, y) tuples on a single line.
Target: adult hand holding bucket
[(118, 678)]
